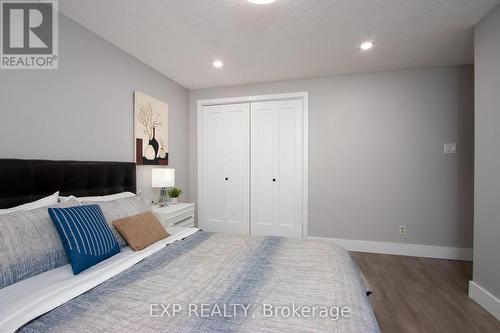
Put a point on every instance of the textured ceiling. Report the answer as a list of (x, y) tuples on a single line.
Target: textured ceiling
[(288, 39)]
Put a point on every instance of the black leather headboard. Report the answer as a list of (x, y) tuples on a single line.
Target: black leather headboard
[(23, 181)]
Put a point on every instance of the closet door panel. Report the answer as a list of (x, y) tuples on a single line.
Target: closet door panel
[(288, 157), (277, 157), (262, 147), (214, 169), (238, 168)]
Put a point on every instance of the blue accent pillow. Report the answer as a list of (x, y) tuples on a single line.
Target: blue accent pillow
[(86, 237)]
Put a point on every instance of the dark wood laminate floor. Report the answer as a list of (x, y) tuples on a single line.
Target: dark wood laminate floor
[(423, 295)]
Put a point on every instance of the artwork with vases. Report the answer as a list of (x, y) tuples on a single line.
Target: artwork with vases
[(150, 130)]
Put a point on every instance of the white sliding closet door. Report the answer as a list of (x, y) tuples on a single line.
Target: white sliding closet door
[(277, 168), (225, 168)]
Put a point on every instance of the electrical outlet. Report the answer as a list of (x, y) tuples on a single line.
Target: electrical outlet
[(450, 148), (402, 230)]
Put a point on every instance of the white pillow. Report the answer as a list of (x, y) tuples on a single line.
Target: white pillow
[(110, 197), (44, 202)]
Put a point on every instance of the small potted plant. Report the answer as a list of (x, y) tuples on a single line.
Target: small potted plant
[(174, 193)]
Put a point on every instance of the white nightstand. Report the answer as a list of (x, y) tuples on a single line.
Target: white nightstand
[(179, 215)]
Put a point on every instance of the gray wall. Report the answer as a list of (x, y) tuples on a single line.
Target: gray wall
[(376, 140), (376, 153), (84, 110), (487, 161)]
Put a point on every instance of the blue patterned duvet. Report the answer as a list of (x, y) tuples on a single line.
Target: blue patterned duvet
[(212, 282)]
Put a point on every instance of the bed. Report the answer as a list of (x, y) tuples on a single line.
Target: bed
[(192, 281)]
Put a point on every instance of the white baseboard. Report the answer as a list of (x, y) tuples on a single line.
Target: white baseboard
[(488, 301), (414, 250)]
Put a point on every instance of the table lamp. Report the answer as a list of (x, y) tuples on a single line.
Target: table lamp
[(162, 178)]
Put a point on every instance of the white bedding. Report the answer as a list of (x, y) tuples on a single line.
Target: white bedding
[(23, 301)]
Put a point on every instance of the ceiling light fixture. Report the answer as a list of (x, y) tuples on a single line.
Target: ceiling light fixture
[(217, 64), (261, 2), (366, 46)]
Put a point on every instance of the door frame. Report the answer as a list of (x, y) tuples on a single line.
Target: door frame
[(260, 98)]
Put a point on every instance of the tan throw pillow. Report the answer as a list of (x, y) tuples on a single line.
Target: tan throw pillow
[(140, 230)]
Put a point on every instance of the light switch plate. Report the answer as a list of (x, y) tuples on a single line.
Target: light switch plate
[(450, 148)]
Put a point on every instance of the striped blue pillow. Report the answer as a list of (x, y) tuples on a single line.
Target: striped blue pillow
[(86, 237)]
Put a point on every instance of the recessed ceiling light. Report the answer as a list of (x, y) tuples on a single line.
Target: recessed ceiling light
[(217, 64), (261, 2), (366, 46)]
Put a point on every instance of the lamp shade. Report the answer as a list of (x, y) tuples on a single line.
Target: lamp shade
[(162, 177)]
